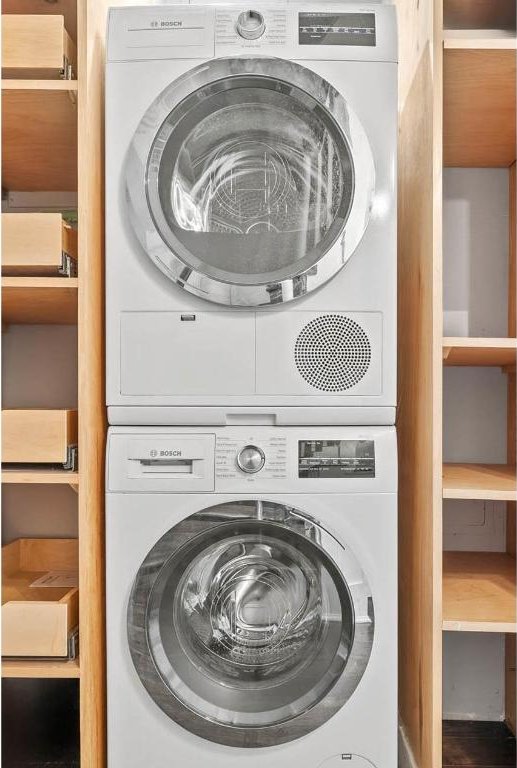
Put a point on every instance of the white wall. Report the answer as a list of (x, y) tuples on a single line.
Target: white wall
[(473, 679), (475, 241), (475, 258)]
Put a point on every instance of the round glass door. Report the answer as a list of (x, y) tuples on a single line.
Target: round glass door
[(249, 624), (257, 181)]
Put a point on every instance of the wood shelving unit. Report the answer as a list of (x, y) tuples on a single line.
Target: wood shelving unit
[(35, 300), (479, 481), (479, 592), (52, 143), (457, 109), (41, 669), (479, 351)]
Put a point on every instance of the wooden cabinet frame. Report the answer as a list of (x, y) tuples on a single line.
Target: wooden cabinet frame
[(431, 72)]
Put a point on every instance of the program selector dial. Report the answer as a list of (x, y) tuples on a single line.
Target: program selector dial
[(251, 459), (250, 25)]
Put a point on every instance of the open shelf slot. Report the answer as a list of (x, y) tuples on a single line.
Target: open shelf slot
[(477, 743), (35, 300), (478, 14), (39, 122), (479, 592), (479, 351), (479, 101), (479, 481)]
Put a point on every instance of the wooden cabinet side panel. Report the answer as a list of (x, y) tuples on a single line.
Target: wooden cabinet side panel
[(511, 531), (419, 388), (92, 421)]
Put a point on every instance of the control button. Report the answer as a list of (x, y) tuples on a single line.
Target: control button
[(250, 25), (251, 459)]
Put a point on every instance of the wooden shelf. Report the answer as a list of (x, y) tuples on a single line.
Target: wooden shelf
[(35, 668), (479, 481), (479, 592), (68, 86), (40, 123), (479, 39), (479, 351), (38, 300), (479, 101), (39, 477)]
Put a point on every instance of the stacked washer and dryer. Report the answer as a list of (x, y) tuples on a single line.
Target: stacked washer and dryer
[(251, 491)]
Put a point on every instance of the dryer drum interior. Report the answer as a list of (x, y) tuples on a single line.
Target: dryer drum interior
[(253, 178), (246, 617), (247, 172)]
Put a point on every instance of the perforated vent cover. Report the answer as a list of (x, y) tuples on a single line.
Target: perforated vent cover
[(332, 353)]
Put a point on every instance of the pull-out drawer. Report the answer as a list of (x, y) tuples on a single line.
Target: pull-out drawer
[(36, 47), (38, 244), (39, 436), (38, 620)]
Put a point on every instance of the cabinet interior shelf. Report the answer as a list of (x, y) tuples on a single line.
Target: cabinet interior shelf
[(479, 100), (479, 39), (66, 86), (39, 121), (38, 300), (479, 481), (479, 351), (479, 592), (22, 476), (33, 668)]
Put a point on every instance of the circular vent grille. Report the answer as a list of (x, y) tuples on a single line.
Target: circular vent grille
[(332, 353)]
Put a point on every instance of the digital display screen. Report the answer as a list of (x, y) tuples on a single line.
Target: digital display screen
[(336, 29), (336, 458)]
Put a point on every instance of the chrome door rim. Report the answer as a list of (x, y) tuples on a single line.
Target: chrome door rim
[(170, 544), (235, 293)]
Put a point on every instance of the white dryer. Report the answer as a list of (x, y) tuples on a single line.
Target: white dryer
[(252, 597), (251, 213)]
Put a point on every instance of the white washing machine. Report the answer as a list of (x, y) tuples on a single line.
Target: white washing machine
[(251, 597), (251, 213)]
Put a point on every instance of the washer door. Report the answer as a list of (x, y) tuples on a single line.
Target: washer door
[(249, 624), (250, 181)]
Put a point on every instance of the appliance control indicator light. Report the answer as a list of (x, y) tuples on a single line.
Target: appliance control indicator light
[(251, 25), (251, 459)]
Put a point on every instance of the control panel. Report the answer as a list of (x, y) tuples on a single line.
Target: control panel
[(203, 30), (249, 459), (250, 28), (236, 457)]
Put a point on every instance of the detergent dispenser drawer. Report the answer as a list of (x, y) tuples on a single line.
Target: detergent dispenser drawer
[(152, 463)]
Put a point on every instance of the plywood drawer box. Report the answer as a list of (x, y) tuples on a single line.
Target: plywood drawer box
[(37, 621), (37, 244), (36, 47), (38, 436)]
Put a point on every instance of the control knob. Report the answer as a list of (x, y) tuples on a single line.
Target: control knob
[(251, 459), (250, 25)]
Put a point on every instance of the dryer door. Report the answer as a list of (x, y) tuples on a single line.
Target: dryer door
[(250, 181), (249, 624)]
